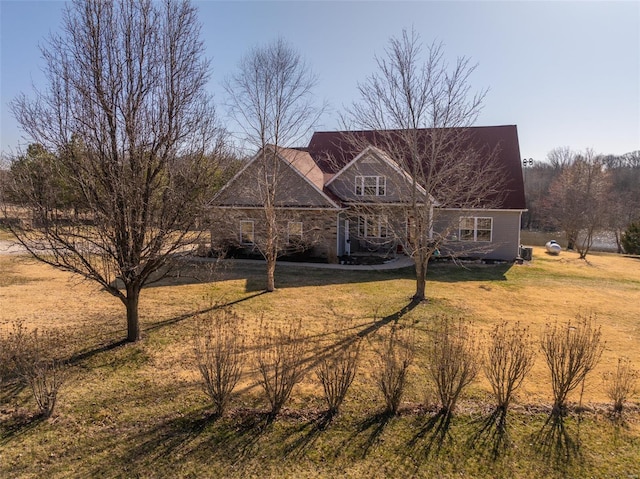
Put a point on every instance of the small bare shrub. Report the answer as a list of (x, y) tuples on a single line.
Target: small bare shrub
[(31, 359), (279, 360), (453, 361), (45, 378), (393, 361), (13, 347), (571, 352), (621, 384), (218, 346), (337, 371), (509, 358)]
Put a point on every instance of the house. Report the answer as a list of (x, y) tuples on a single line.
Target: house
[(347, 194)]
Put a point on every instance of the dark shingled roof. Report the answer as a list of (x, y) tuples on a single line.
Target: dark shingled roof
[(332, 150)]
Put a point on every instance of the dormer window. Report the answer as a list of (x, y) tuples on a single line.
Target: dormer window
[(371, 186)]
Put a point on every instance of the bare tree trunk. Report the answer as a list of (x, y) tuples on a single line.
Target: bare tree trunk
[(133, 320), (421, 278), (271, 273), (619, 250), (271, 247)]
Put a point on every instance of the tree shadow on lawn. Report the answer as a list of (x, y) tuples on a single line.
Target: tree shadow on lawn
[(321, 352), (168, 438), (307, 434), (366, 435), (292, 275), (11, 389), (299, 277), (182, 317), (432, 434), (295, 277), (454, 273), (317, 350), (298, 440), (103, 348), (288, 274), (492, 434), (17, 423), (556, 444), (200, 436)]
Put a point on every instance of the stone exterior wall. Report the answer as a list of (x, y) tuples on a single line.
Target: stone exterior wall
[(319, 232)]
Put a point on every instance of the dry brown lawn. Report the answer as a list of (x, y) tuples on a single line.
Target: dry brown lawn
[(549, 289)]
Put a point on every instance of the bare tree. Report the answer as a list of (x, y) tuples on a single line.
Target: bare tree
[(271, 99), (537, 179), (579, 200), (538, 176), (127, 114), (420, 108), (561, 157), (571, 352)]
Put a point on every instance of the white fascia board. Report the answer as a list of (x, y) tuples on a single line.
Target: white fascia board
[(380, 203), (489, 210), (301, 208)]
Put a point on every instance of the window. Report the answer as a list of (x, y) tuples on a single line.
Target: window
[(476, 229), (483, 229), (467, 228), (294, 232), (371, 185), (372, 226), (246, 232)]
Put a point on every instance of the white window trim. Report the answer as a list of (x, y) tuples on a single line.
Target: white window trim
[(296, 236), (380, 187), (475, 229), (245, 222), (377, 223)]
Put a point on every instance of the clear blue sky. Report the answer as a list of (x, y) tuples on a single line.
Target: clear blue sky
[(567, 73)]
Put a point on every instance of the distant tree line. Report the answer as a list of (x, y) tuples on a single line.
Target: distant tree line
[(581, 193)]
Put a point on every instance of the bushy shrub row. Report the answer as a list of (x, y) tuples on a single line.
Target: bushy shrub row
[(454, 355)]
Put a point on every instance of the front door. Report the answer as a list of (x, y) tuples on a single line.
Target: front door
[(347, 240)]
